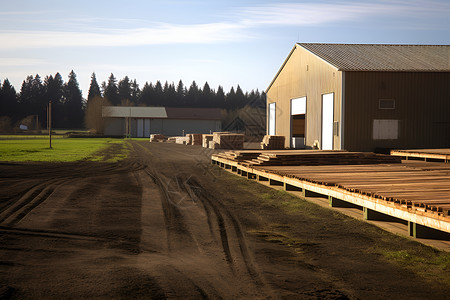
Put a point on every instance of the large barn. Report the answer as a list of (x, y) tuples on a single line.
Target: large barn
[(362, 97), (170, 121)]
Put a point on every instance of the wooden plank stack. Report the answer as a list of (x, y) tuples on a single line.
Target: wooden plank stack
[(227, 140), (184, 140), (206, 138), (317, 158), (273, 142), (195, 139), (239, 156), (157, 138), (253, 158)]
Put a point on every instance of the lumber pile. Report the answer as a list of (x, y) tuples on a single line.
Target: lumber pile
[(273, 142), (184, 140), (195, 139), (213, 145), (157, 137), (227, 140), (317, 158), (307, 158), (206, 138), (239, 156)]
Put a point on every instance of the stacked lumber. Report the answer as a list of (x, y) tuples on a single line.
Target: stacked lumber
[(317, 158), (227, 140), (157, 137), (172, 139), (239, 156), (273, 142), (195, 139), (184, 140), (253, 158), (213, 145), (206, 138)]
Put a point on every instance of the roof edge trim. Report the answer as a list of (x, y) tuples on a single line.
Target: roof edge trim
[(281, 68)]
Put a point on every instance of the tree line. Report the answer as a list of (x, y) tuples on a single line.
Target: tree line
[(69, 107)]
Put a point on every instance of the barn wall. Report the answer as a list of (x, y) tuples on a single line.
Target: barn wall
[(304, 74), (422, 108)]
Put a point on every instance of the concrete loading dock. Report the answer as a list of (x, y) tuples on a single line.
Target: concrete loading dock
[(412, 193)]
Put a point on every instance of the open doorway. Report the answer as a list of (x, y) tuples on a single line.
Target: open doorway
[(298, 122)]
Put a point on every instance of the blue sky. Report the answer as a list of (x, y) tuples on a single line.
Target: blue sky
[(223, 42)]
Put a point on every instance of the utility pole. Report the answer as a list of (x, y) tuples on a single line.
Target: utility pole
[(49, 123)]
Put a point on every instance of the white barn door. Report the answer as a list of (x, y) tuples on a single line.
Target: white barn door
[(272, 112), (327, 121)]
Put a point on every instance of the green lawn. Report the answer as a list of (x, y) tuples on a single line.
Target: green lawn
[(63, 149)]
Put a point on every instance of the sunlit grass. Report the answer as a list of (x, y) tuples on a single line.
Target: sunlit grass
[(63, 150)]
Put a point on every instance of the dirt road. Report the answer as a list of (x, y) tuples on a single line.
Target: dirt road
[(166, 224)]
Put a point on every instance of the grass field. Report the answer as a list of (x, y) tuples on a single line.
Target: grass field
[(36, 149)]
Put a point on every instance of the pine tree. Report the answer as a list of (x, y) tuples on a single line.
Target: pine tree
[(147, 95), (94, 88), (181, 93), (193, 95), (54, 91), (8, 100), (74, 104), (124, 90), (206, 96), (135, 92), (220, 98), (158, 94), (111, 91)]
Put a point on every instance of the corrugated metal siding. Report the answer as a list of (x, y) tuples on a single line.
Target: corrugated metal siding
[(304, 74), (422, 106)]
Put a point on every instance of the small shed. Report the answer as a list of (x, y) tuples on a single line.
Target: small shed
[(169, 121), (362, 97)]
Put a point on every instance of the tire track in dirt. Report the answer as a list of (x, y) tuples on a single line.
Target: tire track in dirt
[(177, 231), (30, 200), (51, 234), (222, 214)]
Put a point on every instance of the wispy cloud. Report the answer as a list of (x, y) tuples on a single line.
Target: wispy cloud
[(160, 34), (19, 62), (88, 32), (315, 13)]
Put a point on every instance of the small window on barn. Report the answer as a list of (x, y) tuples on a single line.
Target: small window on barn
[(386, 103)]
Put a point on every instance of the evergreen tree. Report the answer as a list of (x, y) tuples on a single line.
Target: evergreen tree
[(181, 92), (111, 91), (158, 94), (206, 99), (230, 99), (135, 92), (31, 99), (193, 95), (124, 90), (74, 104), (240, 99), (8, 100), (54, 91), (94, 88), (220, 98), (147, 95)]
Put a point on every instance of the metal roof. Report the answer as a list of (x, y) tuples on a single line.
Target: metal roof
[(133, 112), (161, 112), (383, 57)]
